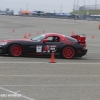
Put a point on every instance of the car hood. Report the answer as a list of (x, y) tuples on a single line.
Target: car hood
[(11, 40)]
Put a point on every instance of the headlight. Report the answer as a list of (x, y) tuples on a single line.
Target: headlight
[(3, 43)]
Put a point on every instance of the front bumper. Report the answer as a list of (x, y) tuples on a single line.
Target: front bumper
[(81, 53), (3, 50)]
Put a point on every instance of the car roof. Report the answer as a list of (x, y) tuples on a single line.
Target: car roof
[(54, 34)]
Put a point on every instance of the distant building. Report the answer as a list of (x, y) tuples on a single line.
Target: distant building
[(90, 7), (7, 12)]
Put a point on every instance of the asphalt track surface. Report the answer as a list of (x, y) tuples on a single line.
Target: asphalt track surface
[(30, 78)]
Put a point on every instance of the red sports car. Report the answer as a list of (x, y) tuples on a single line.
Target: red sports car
[(43, 45)]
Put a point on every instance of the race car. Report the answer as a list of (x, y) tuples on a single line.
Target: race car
[(44, 44)]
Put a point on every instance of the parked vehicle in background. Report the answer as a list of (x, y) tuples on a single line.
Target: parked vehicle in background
[(38, 13)]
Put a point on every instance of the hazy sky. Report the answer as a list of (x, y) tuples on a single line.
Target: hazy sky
[(44, 5)]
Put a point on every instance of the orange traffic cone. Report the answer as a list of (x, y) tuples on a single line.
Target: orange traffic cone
[(92, 36), (13, 30), (29, 34), (74, 20), (52, 60), (99, 26), (25, 36), (38, 32), (43, 31), (72, 33)]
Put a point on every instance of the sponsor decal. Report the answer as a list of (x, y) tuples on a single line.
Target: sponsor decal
[(50, 48), (46, 48), (39, 48)]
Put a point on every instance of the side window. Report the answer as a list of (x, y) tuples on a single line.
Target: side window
[(53, 39), (56, 39), (49, 39)]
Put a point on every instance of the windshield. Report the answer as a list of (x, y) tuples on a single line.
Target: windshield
[(39, 38)]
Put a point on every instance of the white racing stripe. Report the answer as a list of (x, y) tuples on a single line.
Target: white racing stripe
[(15, 93)]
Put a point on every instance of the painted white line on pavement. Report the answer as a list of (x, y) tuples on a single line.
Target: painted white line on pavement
[(21, 62), (71, 63), (50, 85), (50, 75), (15, 93)]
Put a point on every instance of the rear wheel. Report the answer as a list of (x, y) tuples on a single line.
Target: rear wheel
[(15, 50), (68, 52)]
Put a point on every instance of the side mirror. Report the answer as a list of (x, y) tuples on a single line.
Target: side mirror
[(44, 40)]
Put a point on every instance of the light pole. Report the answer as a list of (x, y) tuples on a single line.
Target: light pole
[(77, 3), (27, 6), (61, 9), (78, 6), (88, 9), (84, 2), (74, 5), (95, 4)]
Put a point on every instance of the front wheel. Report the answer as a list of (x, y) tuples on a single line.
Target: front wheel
[(68, 52), (15, 50)]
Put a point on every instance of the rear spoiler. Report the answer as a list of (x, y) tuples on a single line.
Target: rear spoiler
[(80, 38)]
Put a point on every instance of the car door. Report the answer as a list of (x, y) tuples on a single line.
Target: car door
[(51, 45), (33, 47), (40, 47)]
